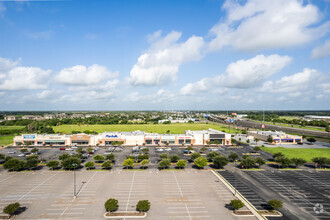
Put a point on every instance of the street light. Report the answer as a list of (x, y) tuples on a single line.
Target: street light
[(74, 180)]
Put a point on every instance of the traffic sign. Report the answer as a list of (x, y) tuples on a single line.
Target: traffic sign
[(263, 126)]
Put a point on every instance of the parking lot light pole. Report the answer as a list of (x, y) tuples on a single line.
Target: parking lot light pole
[(74, 180)]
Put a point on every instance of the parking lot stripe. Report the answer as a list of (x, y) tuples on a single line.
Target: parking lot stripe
[(130, 191), (176, 180)]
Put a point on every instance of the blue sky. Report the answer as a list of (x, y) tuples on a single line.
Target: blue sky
[(164, 55)]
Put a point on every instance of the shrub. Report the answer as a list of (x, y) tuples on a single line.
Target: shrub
[(163, 155), (201, 162), (195, 155), (143, 206), (128, 163), (275, 204), (106, 164), (98, 158), (174, 158), (143, 157), (248, 162), (13, 164), (144, 163), (181, 163), (11, 208), (279, 154), (257, 148), (110, 157), (220, 161), (212, 155), (236, 204), (233, 156), (260, 161), (89, 164), (68, 163), (164, 163), (111, 205), (64, 156)]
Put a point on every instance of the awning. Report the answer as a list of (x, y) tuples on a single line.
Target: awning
[(54, 141)]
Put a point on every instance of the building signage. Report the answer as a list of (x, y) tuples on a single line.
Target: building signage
[(29, 136), (111, 136), (263, 126)]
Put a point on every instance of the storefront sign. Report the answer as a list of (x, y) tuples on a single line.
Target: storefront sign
[(111, 136), (29, 136)]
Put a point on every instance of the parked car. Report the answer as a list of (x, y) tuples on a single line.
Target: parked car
[(11, 152), (96, 148), (106, 153), (21, 155), (119, 149), (74, 147), (69, 149), (62, 148), (168, 149)]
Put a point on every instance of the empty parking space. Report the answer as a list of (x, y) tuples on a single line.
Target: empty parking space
[(173, 194)]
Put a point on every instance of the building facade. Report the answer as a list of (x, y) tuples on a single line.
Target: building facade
[(279, 137), (127, 138)]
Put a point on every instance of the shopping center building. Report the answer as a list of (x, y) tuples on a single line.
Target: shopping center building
[(127, 138), (279, 137)]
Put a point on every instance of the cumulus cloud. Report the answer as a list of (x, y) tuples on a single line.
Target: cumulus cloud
[(15, 77), (158, 97), (160, 63), (241, 74), (82, 75), (267, 24), (321, 51)]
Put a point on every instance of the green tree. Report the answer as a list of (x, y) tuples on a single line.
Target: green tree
[(34, 150), (190, 148), (128, 163), (110, 157), (181, 164), (203, 149), (279, 154), (195, 155), (257, 148), (31, 162), (164, 163), (248, 162), (220, 161), (89, 149), (145, 150), (13, 164), (144, 163), (320, 161), (106, 164), (2, 156), (270, 139), (275, 204), (89, 165), (11, 208), (24, 150), (284, 161), (311, 140), (236, 204), (64, 156), (143, 157), (201, 162), (260, 161), (233, 156), (98, 158), (111, 205), (53, 164), (163, 155), (256, 140), (143, 206), (80, 150), (212, 155), (298, 161), (71, 163), (174, 158), (248, 141)]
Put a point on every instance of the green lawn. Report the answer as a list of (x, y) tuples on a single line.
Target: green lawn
[(150, 128), (305, 153), (294, 126), (5, 140), (11, 127)]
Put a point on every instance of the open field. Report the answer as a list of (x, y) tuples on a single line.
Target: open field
[(151, 128), (292, 126), (11, 127), (305, 153), (173, 195), (8, 139)]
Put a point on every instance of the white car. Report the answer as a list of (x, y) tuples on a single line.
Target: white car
[(168, 149), (21, 155), (96, 148), (11, 152), (74, 147), (68, 149), (106, 153)]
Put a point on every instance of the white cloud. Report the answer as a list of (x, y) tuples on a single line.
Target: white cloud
[(154, 36), (240, 74), (160, 64), (82, 75), (250, 73), (295, 83), (2, 9), (197, 87), (267, 24), (321, 51), (159, 97), (15, 77)]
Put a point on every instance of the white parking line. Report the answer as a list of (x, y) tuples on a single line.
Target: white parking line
[(130, 191), (176, 180)]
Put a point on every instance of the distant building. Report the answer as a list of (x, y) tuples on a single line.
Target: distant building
[(316, 117), (279, 137), (10, 118), (91, 115), (33, 117), (77, 116), (49, 116), (181, 120)]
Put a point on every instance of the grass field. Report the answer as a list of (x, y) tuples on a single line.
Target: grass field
[(5, 140), (150, 128), (11, 127), (294, 126), (305, 153)]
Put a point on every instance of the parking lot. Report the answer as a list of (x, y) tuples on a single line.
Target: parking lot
[(305, 194), (173, 194)]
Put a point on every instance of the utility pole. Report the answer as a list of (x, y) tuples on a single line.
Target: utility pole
[(74, 180)]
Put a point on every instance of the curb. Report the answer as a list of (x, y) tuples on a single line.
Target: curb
[(241, 197), (145, 215)]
